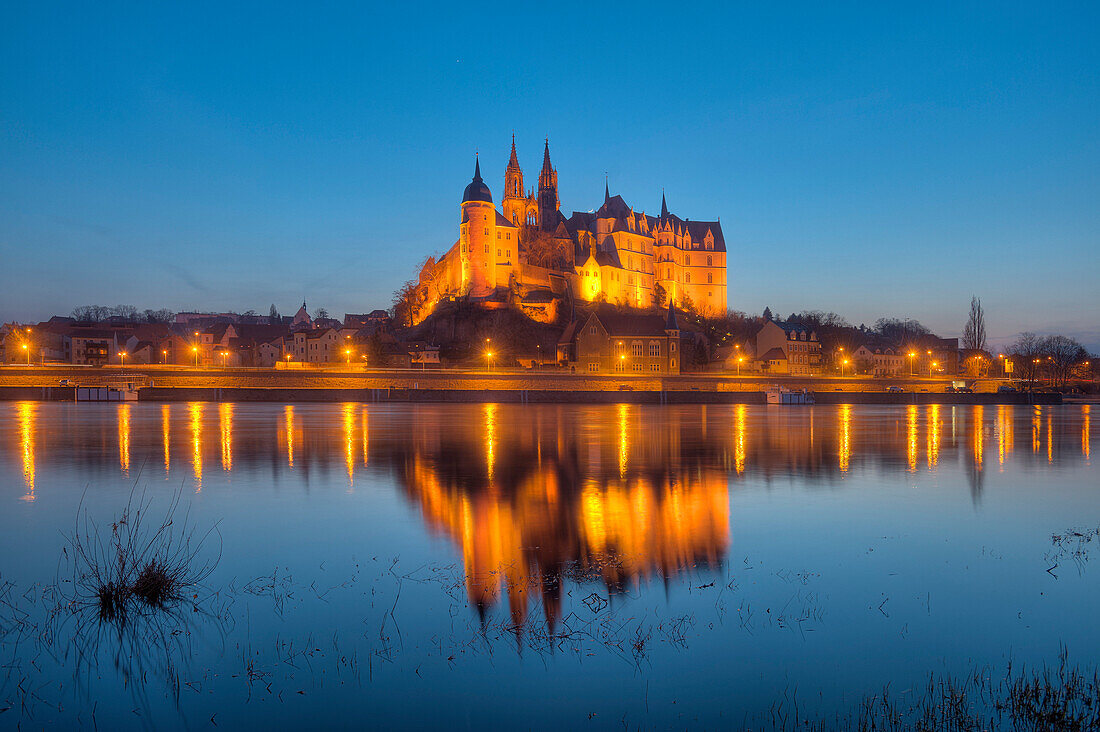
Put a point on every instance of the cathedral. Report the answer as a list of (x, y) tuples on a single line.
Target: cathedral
[(530, 251)]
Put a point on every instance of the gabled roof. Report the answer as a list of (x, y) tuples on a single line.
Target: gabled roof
[(774, 354), (620, 324), (502, 221)]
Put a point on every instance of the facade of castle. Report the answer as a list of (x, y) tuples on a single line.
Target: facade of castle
[(615, 254)]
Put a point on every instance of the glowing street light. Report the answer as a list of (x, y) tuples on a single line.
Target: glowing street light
[(28, 352), (347, 352), (122, 357), (842, 365), (164, 356), (912, 367), (195, 353), (739, 360), (488, 358)]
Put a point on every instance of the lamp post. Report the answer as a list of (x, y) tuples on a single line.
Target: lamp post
[(912, 362), (195, 353), (223, 358), (122, 357), (1001, 358), (739, 360), (28, 352), (163, 356), (842, 365), (488, 359), (347, 352)]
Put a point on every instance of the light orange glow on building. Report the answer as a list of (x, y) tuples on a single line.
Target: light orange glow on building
[(124, 438), (194, 409), (225, 423), (27, 413)]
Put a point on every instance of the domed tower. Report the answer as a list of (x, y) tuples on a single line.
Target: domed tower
[(515, 198), (476, 235)]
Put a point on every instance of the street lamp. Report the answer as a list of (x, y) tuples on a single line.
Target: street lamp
[(488, 358), (912, 367), (195, 352), (224, 353), (347, 352), (1001, 358), (122, 357), (739, 360), (164, 356), (842, 365), (27, 351)]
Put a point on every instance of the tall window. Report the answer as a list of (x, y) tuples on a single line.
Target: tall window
[(636, 348), (710, 278), (709, 262), (654, 348)]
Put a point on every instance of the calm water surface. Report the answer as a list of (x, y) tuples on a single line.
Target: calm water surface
[(542, 566)]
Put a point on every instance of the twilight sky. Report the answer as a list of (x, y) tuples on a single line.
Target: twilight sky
[(863, 158)]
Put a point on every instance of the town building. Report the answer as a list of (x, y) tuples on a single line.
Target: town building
[(798, 345), (615, 254), (609, 341), (877, 360)]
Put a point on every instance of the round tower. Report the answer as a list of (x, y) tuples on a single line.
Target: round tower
[(477, 236)]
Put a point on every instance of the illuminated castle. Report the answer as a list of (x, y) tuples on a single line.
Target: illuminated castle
[(615, 254)]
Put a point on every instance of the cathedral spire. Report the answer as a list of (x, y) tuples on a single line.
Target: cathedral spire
[(513, 162), (606, 190), (546, 157), (477, 168), (664, 208)]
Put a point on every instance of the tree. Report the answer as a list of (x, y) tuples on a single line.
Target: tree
[(1026, 351), (407, 302), (273, 314), (767, 313), (164, 315), (1062, 355), (320, 314), (901, 332), (660, 295), (974, 332)]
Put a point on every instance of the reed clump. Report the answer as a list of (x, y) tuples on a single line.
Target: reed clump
[(146, 561)]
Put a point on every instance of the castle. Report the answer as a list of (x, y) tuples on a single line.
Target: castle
[(532, 252)]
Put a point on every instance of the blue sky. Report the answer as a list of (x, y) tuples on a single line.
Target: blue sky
[(871, 159)]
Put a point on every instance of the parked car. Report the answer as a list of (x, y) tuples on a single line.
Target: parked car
[(65, 382), (895, 389), (1006, 389)]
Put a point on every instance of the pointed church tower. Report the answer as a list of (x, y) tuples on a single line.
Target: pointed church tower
[(548, 193), (514, 204)]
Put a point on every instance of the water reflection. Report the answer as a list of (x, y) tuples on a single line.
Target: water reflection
[(195, 409), (622, 494), (26, 412)]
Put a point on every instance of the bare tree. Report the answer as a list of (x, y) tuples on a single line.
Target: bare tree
[(273, 315), (1062, 354), (974, 333), (1027, 350)]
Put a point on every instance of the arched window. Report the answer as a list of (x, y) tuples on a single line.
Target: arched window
[(709, 262), (710, 278), (687, 277)]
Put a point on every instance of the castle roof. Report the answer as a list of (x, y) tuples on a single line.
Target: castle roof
[(477, 190)]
